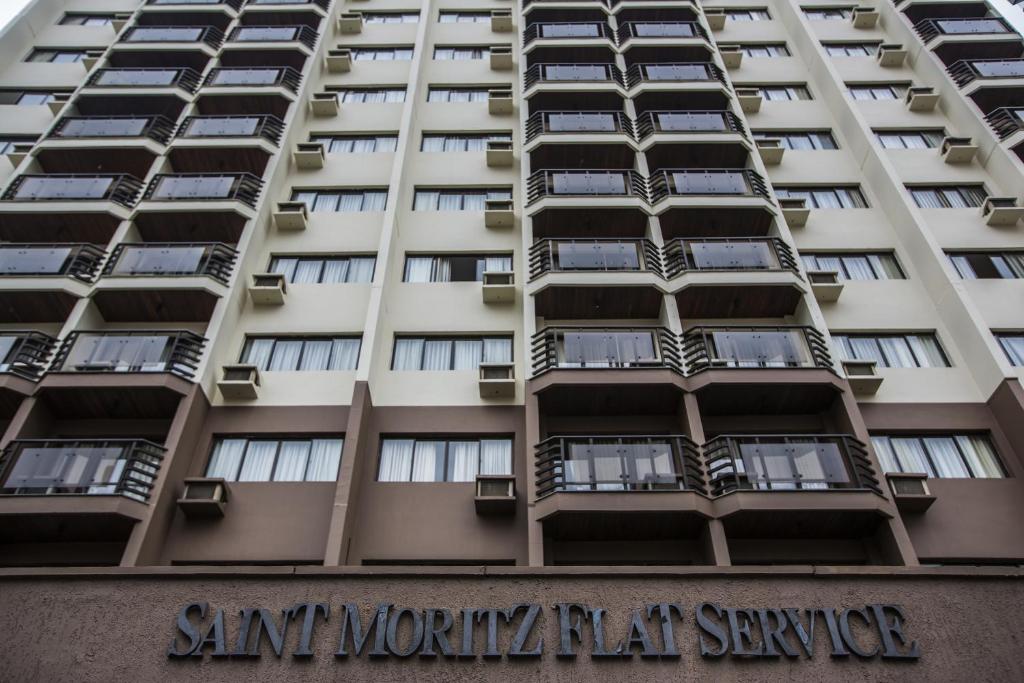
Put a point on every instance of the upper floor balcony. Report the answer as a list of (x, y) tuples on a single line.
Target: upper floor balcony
[(556, 32), (568, 183), (122, 190), (754, 347), (172, 259), (1006, 121), (712, 254), (205, 187), (572, 74), (713, 182), (579, 123), (209, 36), (966, 71), (298, 34), (147, 127), (929, 29), (260, 127), (130, 351), (78, 261), (617, 348), (256, 4), (673, 30), (678, 121), (25, 353), (594, 256), (284, 77), (149, 78), (692, 72), (233, 4)]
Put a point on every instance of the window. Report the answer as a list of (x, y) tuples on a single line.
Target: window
[(454, 267), (456, 459), (765, 50), (850, 49), (879, 91), (303, 270), (456, 200), (857, 266), (289, 354), (843, 197), (461, 53), (947, 456), (988, 265), (463, 17), (450, 353), (7, 143), (391, 17), (356, 144), (87, 20), (342, 201), (748, 14), (776, 93), (910, 139), (459, 94), (380, 54), (801, 140), (1013, 346), (826, 13), (893, 350), (56, 55), (948, 196), (371, 95), (256, 459), (26, 98), (475, 142)]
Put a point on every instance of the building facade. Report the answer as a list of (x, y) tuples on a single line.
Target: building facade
[(616, 305)]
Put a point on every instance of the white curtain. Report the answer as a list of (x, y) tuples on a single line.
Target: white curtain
[(433, 143), (418, 268), (910, 455), (498, 264), (980, 456), (258, 462), (325, 201), (286, 355), (426, 200), (946, 458), (497, 350), (408, 354), (926, 350), (451, 201), (315, 355), (495, 456), (360, 269), (285, 266), (258, 353), (351, 202), (395, 460), (227, 456), (335, 271), (437, 354), (344, 354), (463, 460), (442, 269), (427, 460), (324, 458), (291, 461), (468, 353), (307, 271), (374, 201)]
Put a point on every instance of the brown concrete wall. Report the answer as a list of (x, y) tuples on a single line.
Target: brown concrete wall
[(117, 626)]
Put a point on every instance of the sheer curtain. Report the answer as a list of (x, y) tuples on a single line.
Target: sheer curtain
[(258, 462), (428, 461), (497, 350), (351, 202), (286, 355), (437, 354), (258, 352), (498, 264), (307, 271), (433, 143), (946, 458), (426, 200), (344, 354), (291, 461), (858, 268), (315, 355), (360, 269), (468, 353), (910, 455), (335, 271), (463, 460), (374, 201), (395, 460), (227, 456), (285, 266), (452, 201), (926, 350), (979, 455), (408, 354), (883, 449), (324, 458), (442, 269), (495, 456), (418, 268)]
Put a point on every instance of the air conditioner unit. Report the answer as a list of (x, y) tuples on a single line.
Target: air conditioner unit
[(921, 98), (499, 153), (910, 491), (309, 155), (499, 287), (499, 101), (339, 60), (501, 20), (825, 284), (324, 103), (204, 497), (350, 22), (864, 17), (863, 376), (958, 150), (771, 150), (499, 213), (495, 494), (291, 215), (794, 211), (497, 380), (239, 382), (1001, 211), (268, 289), (715, 18), (732, 56), (891, 54), (750, 99), (501, 57)]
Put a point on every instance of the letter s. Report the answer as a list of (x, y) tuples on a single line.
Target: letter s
[(188, 630)]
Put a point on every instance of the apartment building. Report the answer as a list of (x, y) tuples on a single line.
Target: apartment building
[(609, 304)]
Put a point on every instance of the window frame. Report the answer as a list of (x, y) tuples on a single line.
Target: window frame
[(448, 338), (376, 50), (866, 48), (318, 192), (279, 439), (875, 336), (327, 140), (795, 92), (811, 135), (341, 92), (323, 258), (469, 89), (447, 439), (855, 191), (434, 266), (941, 189), (305, 339), (733, 14), (844, 271), (897, 89), (937, 134), (497, 136), (952, 436), (464, 192), (844, 13)]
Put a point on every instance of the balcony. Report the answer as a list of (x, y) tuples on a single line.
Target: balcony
[(692, 72), (567, 31), (301, 34), (254, 77), (928, 29), (714, 182), (572, 73), (78, 261), (183, 78), (210, 36), (727, 254), (173, 259), (1006, 121), (322, 4), (233, 4), (176, 352), (757, 348), (269, 128), (593, 256), (966, 71), (25, 354), (615, 348), (633, 30), (205, 187), (585, 183), (119, 189), (579, 123), (718, 121), (155, 127)]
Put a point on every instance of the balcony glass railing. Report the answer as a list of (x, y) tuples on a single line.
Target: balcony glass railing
[(176, 352), (267, 127), (233, 4), (208, 35), (158, 128), (105, 467), (25, 353), (566, 31), (572, 73), (706, 182), (660, 29), (213, 259), (1006, 121), (578, 183), (598, 255), (930, 28), (651, 122), (80, 261), (184, 78), (706, 348), (617, 463), (578, 122), (274, 34), (704, 254), (805, 462), (192, 187), (254, 77), (322, 4), (122, 189), (606, 347), (968, 70), (676, 73)]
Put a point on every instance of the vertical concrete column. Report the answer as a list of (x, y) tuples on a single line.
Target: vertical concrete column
[(535, 529), (354, 459), (715, 544)]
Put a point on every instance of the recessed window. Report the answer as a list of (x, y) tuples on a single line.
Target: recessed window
[(910, 139), (457, 459), (450, 353), (946, 456), (438, 142), (780, 93), (457, 200), (459, 94), (463, 17), (391, 17), (765, 50), (257, 459), (800, 140), (893, 350), (825, 197), (371, 95), (303, 270), (356, 144), (74, 19), (850, 49), (454, 267), (7, 143), (856, 266), (988, 265), (26, 98), (291, 354), (1013, 347), (56, 56), (827, 13), (748, 14), (878, 91), (948, 196), (461, 53), (342, 201), (380, 54)]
